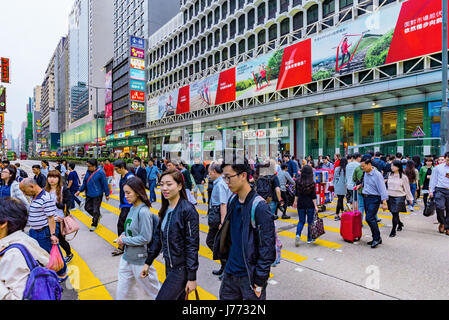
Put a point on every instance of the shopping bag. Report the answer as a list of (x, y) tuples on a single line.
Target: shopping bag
[(197, 296), (430, 208), (317, 227), (56, 262)]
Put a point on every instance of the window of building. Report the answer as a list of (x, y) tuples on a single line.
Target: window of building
[(242, 46), (209, 19), (190, 12), (217, 15), (329, 135), (251, 18), (190, 32), (367, 127), (251, 42), (224, 34), (197, 48), (328, 7), (284, 5), (298, 20), (312, 14), (224, 10), (233, 50), (414, 117), (389, 131), (261, 37), (203, 45), (285, 27), (232, 28), (345, 3), (197, 28), (241, 24), (217, 57), (203, 24), (209, 41), (272, 8), (217, 37), (261, 13), (241, 3), (273, 32), (197, 67), (210, 61), (197, 7), (232, 6), (224, 54)]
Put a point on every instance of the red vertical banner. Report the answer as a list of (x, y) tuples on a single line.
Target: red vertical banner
[(418, 30), (5, 70), (296, 67), (226, 87), (183, 100)]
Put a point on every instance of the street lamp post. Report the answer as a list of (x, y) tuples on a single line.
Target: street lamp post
[(96, 116), (444, 119)]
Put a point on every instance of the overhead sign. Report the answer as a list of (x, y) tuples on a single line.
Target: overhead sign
[(2, 99), (137, 64), (137, 85), (137, 42), (137, 75), (137, 106), (418, 132), (137, 53), (5, 70), (137, 95), (271, 133)]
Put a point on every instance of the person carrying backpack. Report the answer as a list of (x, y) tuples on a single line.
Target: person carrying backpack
[(15, 279), (268, 186), (139, 227)]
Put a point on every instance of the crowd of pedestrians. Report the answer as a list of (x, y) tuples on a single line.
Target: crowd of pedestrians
[(243, 200)]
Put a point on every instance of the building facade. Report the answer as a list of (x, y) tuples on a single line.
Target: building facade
[(295, 76), (139, 18), (47, 104)]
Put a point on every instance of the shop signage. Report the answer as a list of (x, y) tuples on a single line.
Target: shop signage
[(5, 70), (2, 99), (137, 141), (142, 149), (209, 145), (137, 75), (272, 133), (126, 150), (122, 143), (399, 31)]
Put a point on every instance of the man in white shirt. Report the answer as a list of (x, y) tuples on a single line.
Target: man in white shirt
[(350, 168), (439, 186)]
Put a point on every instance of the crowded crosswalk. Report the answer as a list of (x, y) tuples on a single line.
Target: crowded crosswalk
[(328, 268)]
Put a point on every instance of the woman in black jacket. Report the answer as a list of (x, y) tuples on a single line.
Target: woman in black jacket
[(177, 237), (63, 198)]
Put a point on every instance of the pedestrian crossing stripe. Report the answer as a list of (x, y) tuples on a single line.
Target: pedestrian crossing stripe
[(110, 236), (88, 286), (321, 242)]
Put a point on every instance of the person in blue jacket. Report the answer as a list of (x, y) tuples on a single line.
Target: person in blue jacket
[(95, 185)]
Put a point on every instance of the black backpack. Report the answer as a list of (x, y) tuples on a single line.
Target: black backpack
[(264, 187), (23, 174)]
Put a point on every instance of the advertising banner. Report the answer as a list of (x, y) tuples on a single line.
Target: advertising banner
[(183, 100), (137, 53), (203, 93), (137, 106), (226, 87), (137, 96), (137, 85), (108, 86), (137, 64), (137, 42), (137, 74), (2, 99), (5, 70), (296, 65), (108, 118)]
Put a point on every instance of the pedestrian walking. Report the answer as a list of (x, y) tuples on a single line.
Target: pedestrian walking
[(135, 238), (374, 193), (41, 180), (424, 178), (284, 177), (327, 164), (246, 240), (60, 194), (305, 202), (350, 169), (413, 176), (139, 171), (188, 181), (41, 218), (178, 238), (153, 174), (268, 187), (439, 187), (10, 187), (95, 185), (14, 270), (73, 183), (340, 186), (398, 188), (45, 166), (199, 174), (109, 171), (218, 208), (125, 206), (292, 168)]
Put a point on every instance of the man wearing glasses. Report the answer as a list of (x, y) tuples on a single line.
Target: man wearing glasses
[(247, 232)]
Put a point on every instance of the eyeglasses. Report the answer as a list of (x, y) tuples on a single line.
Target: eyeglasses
[(228, 178)]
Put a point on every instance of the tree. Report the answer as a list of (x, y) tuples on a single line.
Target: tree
[(275, 63)]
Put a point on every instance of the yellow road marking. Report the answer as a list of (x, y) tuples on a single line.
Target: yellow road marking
[(82, 278), (110, 236), (321, 242)]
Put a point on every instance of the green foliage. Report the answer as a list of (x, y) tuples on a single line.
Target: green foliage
[(377, 54), (79, 159), (243, 85), (275, 63), (323, 74)]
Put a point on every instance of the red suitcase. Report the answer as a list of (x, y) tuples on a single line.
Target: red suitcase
[(351, 223)]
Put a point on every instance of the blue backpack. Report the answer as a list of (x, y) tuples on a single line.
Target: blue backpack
[(42, 283)]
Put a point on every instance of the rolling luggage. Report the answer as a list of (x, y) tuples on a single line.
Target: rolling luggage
[(351, 223)]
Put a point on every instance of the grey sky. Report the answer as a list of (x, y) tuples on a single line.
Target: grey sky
[(30, 31)]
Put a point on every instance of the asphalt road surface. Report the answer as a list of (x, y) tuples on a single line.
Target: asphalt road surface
[(413, 265)]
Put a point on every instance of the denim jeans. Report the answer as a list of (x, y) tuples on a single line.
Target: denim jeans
[(303, 213), (413, 191), (174, 285), (273, 207), (43, 238), (239, 288), (152, 184), (372, 204), (74, 199)]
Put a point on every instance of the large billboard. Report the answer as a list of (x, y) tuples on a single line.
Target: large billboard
[(137, 75), (396, 32), (108, 102), (2, 99)]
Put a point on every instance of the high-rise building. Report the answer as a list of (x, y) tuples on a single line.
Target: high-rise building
[(303, 77), (139, 18), (62, 83), (48, 103)]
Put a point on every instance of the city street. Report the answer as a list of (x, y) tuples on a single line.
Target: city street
[(413, 265)]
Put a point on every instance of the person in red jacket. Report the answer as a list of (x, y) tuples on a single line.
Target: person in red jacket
[(345, 50)]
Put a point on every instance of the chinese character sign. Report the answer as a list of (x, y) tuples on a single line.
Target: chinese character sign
[(2, 99), (137, 75), (5, 70)]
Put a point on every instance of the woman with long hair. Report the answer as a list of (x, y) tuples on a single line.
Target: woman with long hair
[(135, 238), (398, 188), (413, 176), (305, 202), (417, 160), (10, 187), (424, 178), (340, 185), (62, 197), (178, 238), (310, 161)]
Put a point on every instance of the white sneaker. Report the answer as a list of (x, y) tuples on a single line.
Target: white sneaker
[(411, 209)]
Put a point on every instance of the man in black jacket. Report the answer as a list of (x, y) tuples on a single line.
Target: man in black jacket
[(38, 176), (139, 171), (246, 241), (199, 174)]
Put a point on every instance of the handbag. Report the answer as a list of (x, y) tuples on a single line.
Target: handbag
[(69, 225), (430, 208), (317, 227), (197, 296)]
